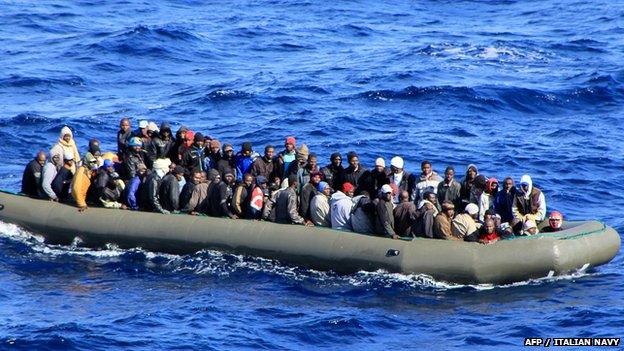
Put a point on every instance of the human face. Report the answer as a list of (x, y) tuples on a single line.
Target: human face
[(327, 191), (449, 175), (450, 212), (354, 162), (489, 226), (555, 222), (229, 178), (508, 184), (67, 138), (396, 170), (471, 172), (336, 161), (387, 196), (248, 180), (426, 169), (525, 187), (532, 231), (268, 153), (379, 168), (41, 158), (432, 198), (316, 179), (289, 147), (246, 153), (350, 193), (229, 152), (124, 125), (312, 162), (200, 143), (215, 150), (197, 177), (56, 159)]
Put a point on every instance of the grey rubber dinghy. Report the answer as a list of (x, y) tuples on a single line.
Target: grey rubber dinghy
[(579, 245)]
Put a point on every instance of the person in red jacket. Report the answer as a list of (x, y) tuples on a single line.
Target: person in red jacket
[(488, 233)]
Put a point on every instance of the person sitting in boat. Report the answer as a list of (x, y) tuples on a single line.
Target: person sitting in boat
[(504, 200), (31, 178), (529, 227), (286, 157), (170, 189), (466, 185), (355, 170), (134, 158), (308, 192), (197, 192), (405, 215), (244, 161), (341, 204), (193, 157), (227, 163), (134, 192), (81, 184), (258, 198), (319, 206), (160, 144), (93, 157), (214, 155), (400, 178), (384, 221), (241, 197), (286, 207), (486, 197), (333, 172), (449, 189), (268, 212), (428, 181), (62, 180), (68, 145), (263, 166), (152, 186), (220, 197), (555, 222), (488, 234), (465, 224), (529, 203), (442, 228), (363, 214), (427, 211)]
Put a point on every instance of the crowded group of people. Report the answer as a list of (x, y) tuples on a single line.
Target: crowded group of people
[(187, 172)]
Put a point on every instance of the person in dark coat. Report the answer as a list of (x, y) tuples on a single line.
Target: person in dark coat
[(286, 204), (31, 178), (307, 194), (405, 214), (355, 170), (169, 190), (152, 189), (244, 160), (403, 180), (187, 189), (372, 181), (134, 191), (214, 155), (62, 181), (220, 197), (193, 157), (334, 171), (227, 163), (123, 137), (241, 197), (103, 179), (504, 200), (467, 186), (449, 189), (263, 166), (160, 144), (384, 222), (135, 156)]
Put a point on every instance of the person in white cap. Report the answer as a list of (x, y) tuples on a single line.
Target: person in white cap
[(464, 224), (384, 222), (48, 173), (152, 186), (143, 131), (62, 181), (68, 145), (428, 181), (529, 227), (399, 177), (371, 181)]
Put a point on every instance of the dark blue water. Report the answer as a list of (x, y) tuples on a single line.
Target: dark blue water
[(514, 86)]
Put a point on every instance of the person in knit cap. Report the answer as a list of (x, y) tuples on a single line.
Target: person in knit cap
[(442, 228), (355, 170), (93, 158), (384, 222), (300, 162), (49, 172), (68, 145), (135, 156), (305, 170), (244, 160), (134, 194), (286, 157), (372, 181), (227, 164), (340, 204), (400, 178), (31, 178), (529, 227), (319, 206), (214, 155), (242, 193), (334, 171), (62, 182), (263, 166), (142, 132), (174, 152), (193, 157)]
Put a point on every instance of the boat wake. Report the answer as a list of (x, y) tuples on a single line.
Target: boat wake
[(223, 265)]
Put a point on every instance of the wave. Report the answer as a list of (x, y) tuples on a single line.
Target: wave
[(220, 264), (18, 81), (222, 95), (500, 51)]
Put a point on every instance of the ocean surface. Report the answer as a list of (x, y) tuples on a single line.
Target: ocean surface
[(515, 87)]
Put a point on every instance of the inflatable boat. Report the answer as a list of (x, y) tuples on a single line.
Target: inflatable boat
[(579, 245)]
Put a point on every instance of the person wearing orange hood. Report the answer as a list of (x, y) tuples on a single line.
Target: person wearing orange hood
[(486, 197), (66, 141), (80, 185)]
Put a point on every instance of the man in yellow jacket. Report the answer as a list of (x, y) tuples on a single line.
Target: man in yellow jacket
[(80, 186)]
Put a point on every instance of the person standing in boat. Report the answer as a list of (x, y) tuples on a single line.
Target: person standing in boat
[(341, 205), (62, 180), (135, 156), (81, 185), (333, 172), (244, 160), (555, 222), (142, 132), (504, 200), (93, 157), (449, 189), (400, 178), (214, 155), (319, 206), (466, 186), (160, 144), (31, 178), (258, 198), (193, 157), (306, 169), (123, 137), (486, 197), (529, 203), (355, 170), (286, 204), (227, 164), (67, 143), (372, 181), (263, 166), (286, 157), (48, 173), (428, 181), (199, 187)]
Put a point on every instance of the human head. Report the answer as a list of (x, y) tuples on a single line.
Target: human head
[(178, 172), (508, 184), (431, 197), (141, 170), (152, 129), (248, 179), (68, 158), (228, 178), (165, 130), (472, 210), (353, 159), (425, 167), (197, 177), (530, 227), (348, 189), (380, 164), (66, 134), (94, 147), (471, 171), (449, 174), (386, 192), (490, 226), (324, 188), (262, 181), (198, 140), (213, 176), (269, 152), (214, 146), (396, 164), (124, 124), (293, 182), (448, 208), (555, 219), (404, 196), (41, 157), (108, 165), (302, 154), (289, 143), (246, 149), (135, 143), (488, 214), (312, 161), (491, 186), (228, 150), (315, 177), (526, 183), (336, 159)]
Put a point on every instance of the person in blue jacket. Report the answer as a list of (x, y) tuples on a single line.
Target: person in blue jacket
[(244, 160)]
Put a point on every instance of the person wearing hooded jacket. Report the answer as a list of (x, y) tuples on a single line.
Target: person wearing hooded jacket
[(219, 199), (354, 172), (80, 185), (48, 173), (333, 172), (504, 200), (340, 205), (466, 186), (529, 203), (486, 197), (363, 214), (244, 161), (67, 143), (160, 144), (152, 186), (31, 178), (227, 163)]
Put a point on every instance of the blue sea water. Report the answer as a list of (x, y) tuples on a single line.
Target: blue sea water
[(516, 87)]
